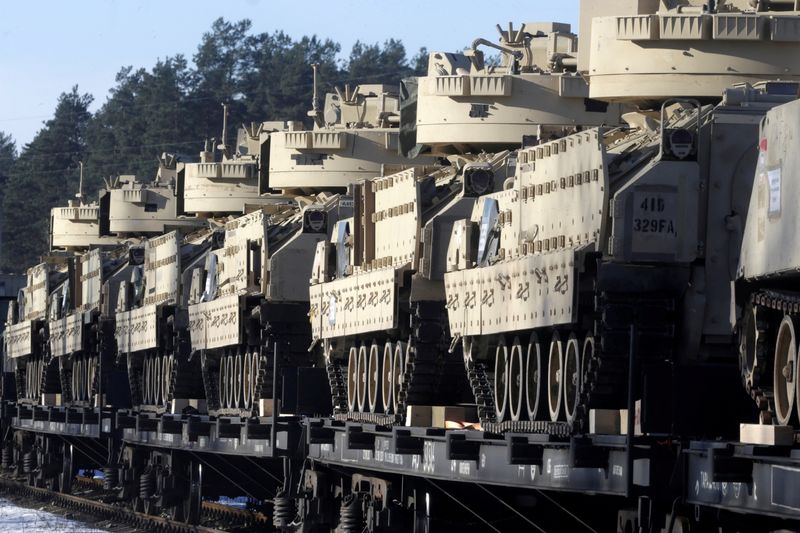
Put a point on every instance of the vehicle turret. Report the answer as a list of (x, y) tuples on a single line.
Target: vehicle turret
[(228, 178), (127, 207), (355, 136), (469, 102), (640, 51)]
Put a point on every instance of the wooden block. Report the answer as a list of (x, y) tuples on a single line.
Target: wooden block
[(604, 421), (442, 414), (419, 415), (463, 425), (51, 399), (767, 435), (637, 420), (200, 405), (264, 407), (177, 405)]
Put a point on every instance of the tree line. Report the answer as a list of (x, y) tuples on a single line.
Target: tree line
[(172, 107)]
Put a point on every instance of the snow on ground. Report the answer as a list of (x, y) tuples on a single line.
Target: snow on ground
[(15, 519)]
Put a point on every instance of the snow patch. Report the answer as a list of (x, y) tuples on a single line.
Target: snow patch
[(15, 519)]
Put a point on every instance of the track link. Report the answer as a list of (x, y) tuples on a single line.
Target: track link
[(430, 377), (653, 316), (756, 376), (482, 391), (338, 385)]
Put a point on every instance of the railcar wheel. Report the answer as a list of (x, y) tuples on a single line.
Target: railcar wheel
[(534, 373), (516, 385), (555, 382), (193, 501), (784, 370), (572, 377), (374, 378), (65, 477), (361, 385), (386, 377), (352, 379), (150, 507)]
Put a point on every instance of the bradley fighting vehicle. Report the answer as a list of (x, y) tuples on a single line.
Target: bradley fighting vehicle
[(767, 274), (632, 229), (57, 336), (82, 310), (10, 285), (377, 293), (151, 319), (248, 304)]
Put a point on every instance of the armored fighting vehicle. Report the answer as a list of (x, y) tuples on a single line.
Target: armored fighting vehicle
[(767, 273), (151, 316), (242, 304), (104, 238), (25, 335), (10, 285), (62, 333), (377, 292), (622, 243)]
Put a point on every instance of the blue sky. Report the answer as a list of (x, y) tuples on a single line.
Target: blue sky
[(50, 45)]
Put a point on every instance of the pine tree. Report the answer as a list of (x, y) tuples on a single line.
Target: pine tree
[(279, 79), (146, 113), (44, 176), (217, 78), (383, 64), (8, 155)]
